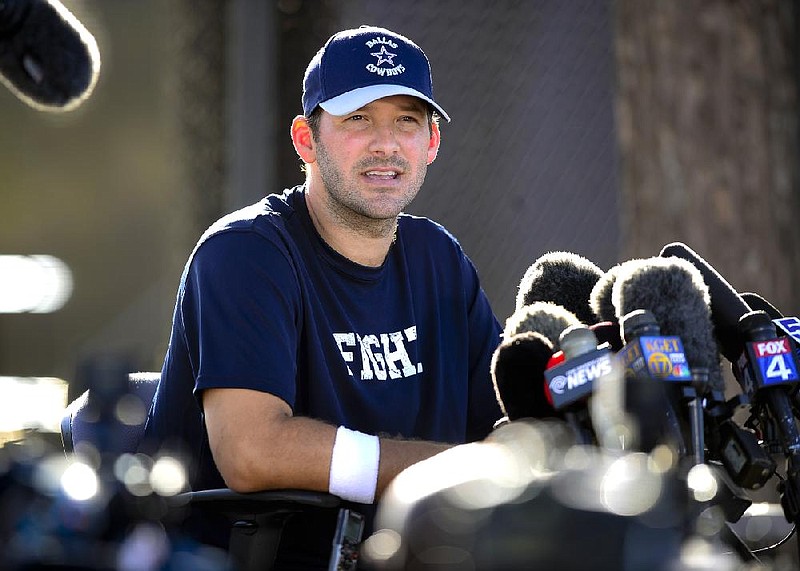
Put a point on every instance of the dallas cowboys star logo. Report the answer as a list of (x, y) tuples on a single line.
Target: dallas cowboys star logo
[(384, 56)]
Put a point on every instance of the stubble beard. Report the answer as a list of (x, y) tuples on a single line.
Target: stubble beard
[(359, 213)]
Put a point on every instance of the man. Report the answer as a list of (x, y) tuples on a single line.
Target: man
[(313, 321)]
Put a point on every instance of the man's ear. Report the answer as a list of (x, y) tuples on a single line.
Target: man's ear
[(302, 139), (433, 144)]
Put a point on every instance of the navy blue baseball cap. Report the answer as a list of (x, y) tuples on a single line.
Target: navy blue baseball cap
[(358, 66)]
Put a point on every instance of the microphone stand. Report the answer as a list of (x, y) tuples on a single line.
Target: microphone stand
[(789, 489), (694, 395)]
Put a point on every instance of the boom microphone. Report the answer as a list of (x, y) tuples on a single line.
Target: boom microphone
[(758, 303), (727, 306), (562, 278), (47, 57), (764, 366)]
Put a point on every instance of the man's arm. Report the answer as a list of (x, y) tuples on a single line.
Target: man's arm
[(258, 444)]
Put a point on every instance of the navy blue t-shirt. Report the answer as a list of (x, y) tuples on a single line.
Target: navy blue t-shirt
[(264, 303)]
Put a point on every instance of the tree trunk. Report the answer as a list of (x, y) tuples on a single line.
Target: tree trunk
[(707, 121)]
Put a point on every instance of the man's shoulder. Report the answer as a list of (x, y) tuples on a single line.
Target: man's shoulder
[(268, 216), (433, 234)]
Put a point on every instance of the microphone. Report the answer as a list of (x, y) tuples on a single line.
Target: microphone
[(531, 336), (600, 296), (727, 306), (517, 371), (608, 329), (562, 278), (649, 359), (546, 318), (758, 303), (762, 366), (608, 332), (47, 57), (675, 292), (570, 383)]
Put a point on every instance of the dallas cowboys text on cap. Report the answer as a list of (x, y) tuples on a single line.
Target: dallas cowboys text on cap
[(358, 66)]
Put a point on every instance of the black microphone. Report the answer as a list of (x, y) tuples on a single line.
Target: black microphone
[(786, 325), (650, 361), (562, 278), (763, 364), (517, 371), (572, 381), (758, 303), (727, 306), (600, 296), (675, 292), (608, 329), (47, 57), (543, 317), (531, 336)]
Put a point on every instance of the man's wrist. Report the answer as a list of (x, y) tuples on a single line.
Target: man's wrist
[(354, 466)]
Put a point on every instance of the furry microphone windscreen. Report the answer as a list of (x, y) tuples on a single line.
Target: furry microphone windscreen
[(727, 306), (563, 278), (674, 291), (517, 369), (543, 317), (600, 296), (47, 57)]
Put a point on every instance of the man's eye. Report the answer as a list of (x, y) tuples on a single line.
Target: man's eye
[(355, 118)]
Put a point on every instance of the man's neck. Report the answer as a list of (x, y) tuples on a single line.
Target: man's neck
[(355, 237)]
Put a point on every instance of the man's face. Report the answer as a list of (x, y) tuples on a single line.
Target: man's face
[(373, 161)]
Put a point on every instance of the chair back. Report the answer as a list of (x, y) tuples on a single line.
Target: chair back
[(82, 420)]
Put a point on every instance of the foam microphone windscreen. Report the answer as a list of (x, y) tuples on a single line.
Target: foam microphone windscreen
[(674, 291), (600, 296), (47, 57), (727, 306), (517, 369), (545, 318), (562, 278)]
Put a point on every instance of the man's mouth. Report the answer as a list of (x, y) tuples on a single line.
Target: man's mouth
[(382, 174)]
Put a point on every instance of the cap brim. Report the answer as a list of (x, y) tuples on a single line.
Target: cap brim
[(358, 98)]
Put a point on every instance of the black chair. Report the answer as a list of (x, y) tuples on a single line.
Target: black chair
[(256, 519)]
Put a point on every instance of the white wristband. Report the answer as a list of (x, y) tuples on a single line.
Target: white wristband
[(354, 466)]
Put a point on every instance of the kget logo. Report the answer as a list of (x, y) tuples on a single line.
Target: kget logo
[(660, 365), (662, 344)]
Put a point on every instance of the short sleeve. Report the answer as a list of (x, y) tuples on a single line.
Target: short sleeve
[(484, 337), (241, 311)]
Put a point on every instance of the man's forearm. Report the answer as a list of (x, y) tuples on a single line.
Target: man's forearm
[(258, 445), (397, 455)]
